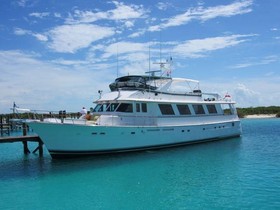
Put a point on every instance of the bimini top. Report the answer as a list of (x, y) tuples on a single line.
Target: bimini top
[(137, 82), (158, 84)]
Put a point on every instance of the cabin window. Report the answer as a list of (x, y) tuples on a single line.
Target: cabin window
[(166, 109), (211, 109), (198, 109), (183, 109), (137, 107), (144, 107), (140, 107), (125, 107)]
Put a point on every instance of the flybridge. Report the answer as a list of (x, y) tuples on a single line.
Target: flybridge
[(156, 84), (137, 82)]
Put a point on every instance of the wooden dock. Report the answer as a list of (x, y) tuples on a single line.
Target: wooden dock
[(24, 139), (11, 139)]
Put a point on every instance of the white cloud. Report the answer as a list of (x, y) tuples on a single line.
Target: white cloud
[(202, 14), (70, 38), (246, 92), (69, 62), (163, 5), (122, 12), (174, 21), (39, 15), (40, 37), (85, 17), (22, 3), (245, 96), (199, 47), (263, 61), (134, 68), (190, 48), (236, 8), (129, 24), (137, 34), (57, 15), (271, 73), (36, 84), (21, 32), (135, 57), (124, 47)]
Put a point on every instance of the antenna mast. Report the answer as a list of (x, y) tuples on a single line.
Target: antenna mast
[(149, 56), (117, 60)]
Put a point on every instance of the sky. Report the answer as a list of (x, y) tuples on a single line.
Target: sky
[(57, 55)]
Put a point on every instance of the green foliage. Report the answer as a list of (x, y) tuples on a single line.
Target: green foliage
[(37, 116), (242, 112)]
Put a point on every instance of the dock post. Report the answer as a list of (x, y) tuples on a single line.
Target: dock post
[(40, 148), (25, 144), (24, 129), (25, 148), (1, 125)]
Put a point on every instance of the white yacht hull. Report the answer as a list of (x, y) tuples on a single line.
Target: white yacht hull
[(64, 140)]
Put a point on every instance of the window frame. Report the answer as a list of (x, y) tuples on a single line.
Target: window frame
[(183, 109), (166, 109), (199, 109), (138, 109), (144, 107), (109, 107), (210, 110), (127, 109)]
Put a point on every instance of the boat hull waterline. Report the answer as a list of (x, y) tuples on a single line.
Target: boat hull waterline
[(67, 140)]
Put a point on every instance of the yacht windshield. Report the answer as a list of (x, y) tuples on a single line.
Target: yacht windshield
[(112, 107), (100, 108)]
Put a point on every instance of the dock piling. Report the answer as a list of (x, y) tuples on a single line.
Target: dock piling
[(25, 144), (25, 148), (40, 148)]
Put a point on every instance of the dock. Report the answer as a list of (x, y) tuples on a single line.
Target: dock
[(15, 122), (24, 139)]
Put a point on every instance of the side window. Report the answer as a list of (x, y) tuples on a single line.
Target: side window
[(141, 107), (144, 107), (137, 107), (211, 109), (183, 109), (166, 109), (124, 107), (198, 109)]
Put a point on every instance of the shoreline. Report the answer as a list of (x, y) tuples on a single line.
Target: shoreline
[(260, 116)]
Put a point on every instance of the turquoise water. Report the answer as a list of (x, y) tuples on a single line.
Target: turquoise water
[(238, 173)]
